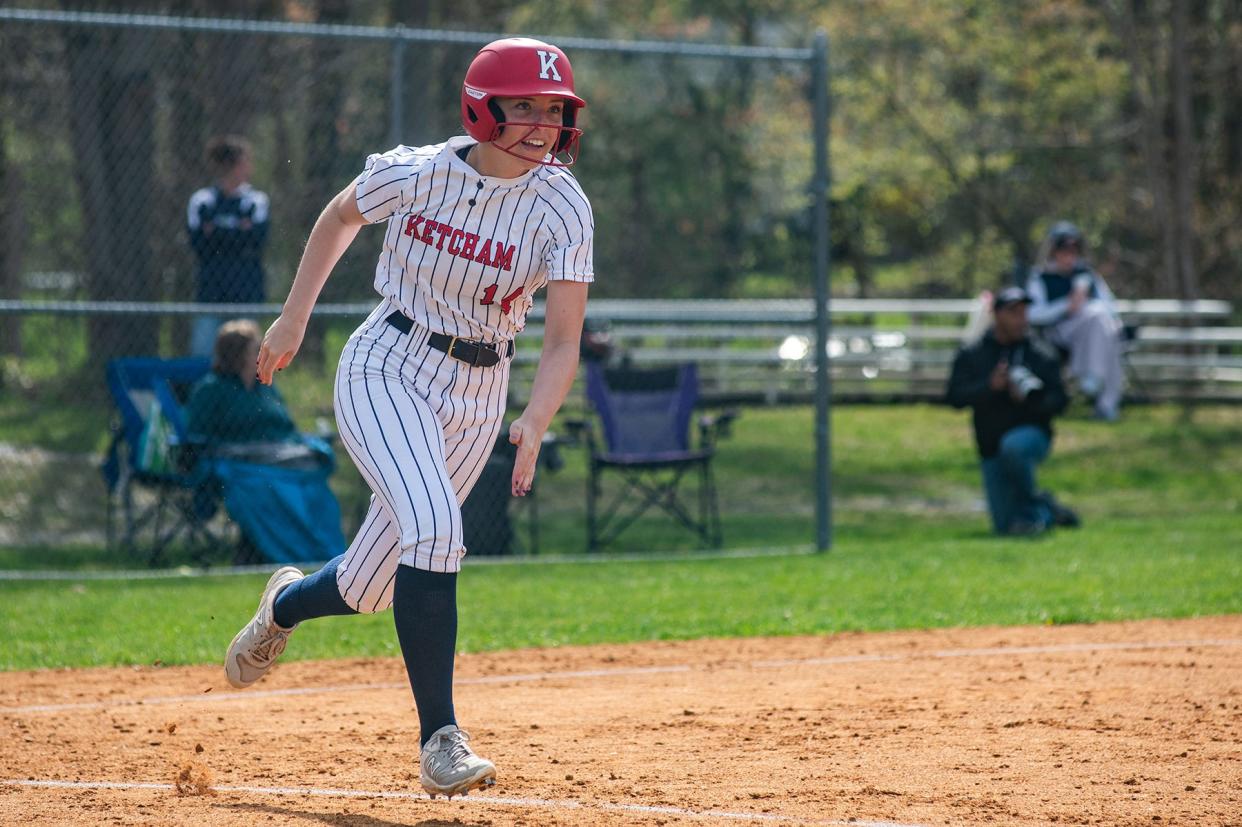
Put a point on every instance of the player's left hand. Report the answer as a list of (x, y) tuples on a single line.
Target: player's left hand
[(528, 442), (1077, 300)]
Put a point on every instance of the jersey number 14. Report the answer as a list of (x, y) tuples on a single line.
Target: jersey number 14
[(506, 303)]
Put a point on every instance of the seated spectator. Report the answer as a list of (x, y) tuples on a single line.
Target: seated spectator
[(1078, 311), (229, 405), (1013, 385), (273, 479)]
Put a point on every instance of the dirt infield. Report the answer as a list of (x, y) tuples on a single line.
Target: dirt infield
[(1131, 723)]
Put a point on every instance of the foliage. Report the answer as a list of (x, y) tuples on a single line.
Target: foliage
[(961, 130), (947, 111)]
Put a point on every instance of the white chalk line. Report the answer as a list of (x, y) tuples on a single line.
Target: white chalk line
[(485, 800), (625, 672), (1049, 649), (183, 572), (359, 687)]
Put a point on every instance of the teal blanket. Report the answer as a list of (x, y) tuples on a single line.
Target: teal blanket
[(289, 514)]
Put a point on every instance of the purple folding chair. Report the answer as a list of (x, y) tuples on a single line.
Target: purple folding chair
[(645, 415)]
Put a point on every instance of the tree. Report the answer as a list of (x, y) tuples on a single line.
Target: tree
[(968, 126)]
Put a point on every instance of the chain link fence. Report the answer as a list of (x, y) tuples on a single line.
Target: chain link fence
[(105, 123)]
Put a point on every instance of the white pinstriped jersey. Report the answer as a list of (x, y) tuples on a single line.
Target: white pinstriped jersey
[(464, 253)]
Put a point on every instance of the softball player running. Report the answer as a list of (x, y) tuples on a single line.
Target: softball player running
[(474, 226)]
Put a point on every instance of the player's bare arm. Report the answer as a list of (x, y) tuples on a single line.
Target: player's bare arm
[(336, 227), (558, 364)]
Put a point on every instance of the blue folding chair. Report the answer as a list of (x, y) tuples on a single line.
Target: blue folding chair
[(158, 493), (646, 416)]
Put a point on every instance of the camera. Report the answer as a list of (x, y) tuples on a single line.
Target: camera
[(1023, 382)]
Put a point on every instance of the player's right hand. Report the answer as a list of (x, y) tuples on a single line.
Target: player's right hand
[(999, 380), (1077, 299), (280, 345)]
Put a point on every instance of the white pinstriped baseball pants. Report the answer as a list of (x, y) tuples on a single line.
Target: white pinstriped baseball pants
[(419, 426)]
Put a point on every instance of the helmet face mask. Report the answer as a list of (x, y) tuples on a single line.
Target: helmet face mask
[(519, 67), (565, 141)]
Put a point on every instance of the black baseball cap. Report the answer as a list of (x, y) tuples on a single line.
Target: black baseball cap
[(1010, 295), (1065, 234)]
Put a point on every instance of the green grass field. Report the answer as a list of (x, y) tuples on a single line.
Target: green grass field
[(1159, 492)]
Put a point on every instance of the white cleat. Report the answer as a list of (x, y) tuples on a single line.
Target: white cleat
[(449, 767), (257, 646)]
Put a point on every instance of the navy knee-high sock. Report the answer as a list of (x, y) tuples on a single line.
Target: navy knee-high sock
[(424, 606), (313, 596)]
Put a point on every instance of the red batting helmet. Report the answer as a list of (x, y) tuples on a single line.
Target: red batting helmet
[(519, 67)]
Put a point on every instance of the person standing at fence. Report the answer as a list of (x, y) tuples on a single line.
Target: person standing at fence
[(475, 226), (1013, 386), (228, 228), (1071, 301)]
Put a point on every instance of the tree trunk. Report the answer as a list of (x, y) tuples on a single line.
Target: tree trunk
[(13, 233), (1151, 108), (321, 182), (1184, 177), (188, 123), (1228, 99), (638, 248), (112, 106), (736, 166)]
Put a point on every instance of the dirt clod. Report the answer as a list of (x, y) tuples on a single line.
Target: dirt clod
[(193, 779)]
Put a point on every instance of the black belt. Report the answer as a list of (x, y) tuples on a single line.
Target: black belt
[(478, 354)]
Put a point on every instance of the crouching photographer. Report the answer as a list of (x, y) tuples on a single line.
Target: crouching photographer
[(1013, 385)]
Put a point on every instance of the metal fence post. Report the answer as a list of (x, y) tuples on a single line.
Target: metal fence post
[(396, 87), (823, 379)]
